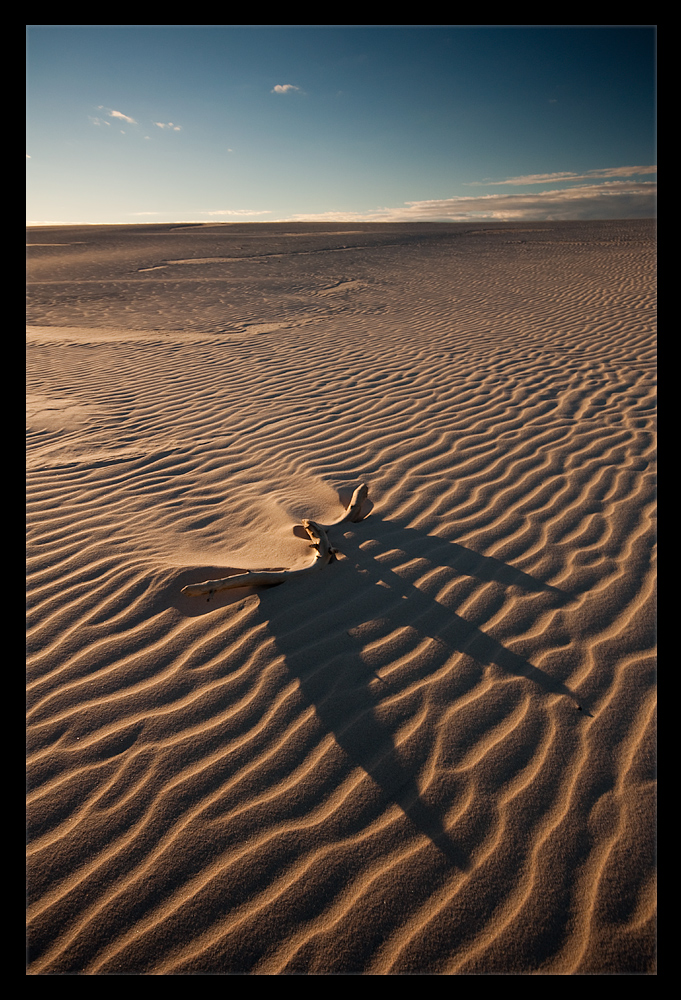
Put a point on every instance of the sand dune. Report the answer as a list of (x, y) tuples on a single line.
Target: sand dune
[(436, 755)]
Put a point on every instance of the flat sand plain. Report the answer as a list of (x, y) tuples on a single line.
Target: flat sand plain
[(437, 754)]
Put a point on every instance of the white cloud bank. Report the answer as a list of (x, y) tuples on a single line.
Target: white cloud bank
[(608, 200), (283, 88)]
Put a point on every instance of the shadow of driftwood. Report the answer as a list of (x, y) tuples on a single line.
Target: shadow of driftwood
[(327, 659), (439, 620), (328, 663)]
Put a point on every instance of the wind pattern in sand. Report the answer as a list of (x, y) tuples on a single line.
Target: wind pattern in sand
[(437, 754)]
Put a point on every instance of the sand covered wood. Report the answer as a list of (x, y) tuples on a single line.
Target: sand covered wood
[(378, 767), (324, 554)]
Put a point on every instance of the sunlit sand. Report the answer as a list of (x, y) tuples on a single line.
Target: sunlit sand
[(435, 755)]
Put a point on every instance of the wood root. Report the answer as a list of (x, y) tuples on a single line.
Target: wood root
[(324, 554)]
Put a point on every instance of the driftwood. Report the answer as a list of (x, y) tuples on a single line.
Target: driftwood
[(324, 554)]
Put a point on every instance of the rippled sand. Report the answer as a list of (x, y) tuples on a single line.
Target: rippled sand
[(437, 754)]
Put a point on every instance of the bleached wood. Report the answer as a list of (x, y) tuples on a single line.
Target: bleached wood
[(324, 554), (354, 511)]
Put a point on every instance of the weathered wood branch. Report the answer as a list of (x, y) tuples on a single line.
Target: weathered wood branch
[(354, 511), (324, 554)]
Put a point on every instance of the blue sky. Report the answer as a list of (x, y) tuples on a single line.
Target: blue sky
[(223, 123)]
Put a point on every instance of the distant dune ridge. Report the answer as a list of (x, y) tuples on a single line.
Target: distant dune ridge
[(437, 754)]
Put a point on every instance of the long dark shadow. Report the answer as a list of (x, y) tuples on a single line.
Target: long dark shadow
[(332, 674)]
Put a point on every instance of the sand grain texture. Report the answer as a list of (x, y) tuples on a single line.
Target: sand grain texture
[(434, 756)]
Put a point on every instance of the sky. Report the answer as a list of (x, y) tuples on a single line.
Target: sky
[(268, 123)]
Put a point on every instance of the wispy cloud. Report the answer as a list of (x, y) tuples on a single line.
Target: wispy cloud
[(237, 211), (124, 118), (558, 178), (284, 88), (112, 114), (609, 200), (220, 211)]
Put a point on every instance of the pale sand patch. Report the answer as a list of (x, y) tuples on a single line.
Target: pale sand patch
[(435, 755)]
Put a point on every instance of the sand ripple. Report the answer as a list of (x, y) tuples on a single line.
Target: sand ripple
[(438, 755)]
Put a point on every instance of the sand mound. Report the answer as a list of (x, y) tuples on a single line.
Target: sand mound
[(436, 755)]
